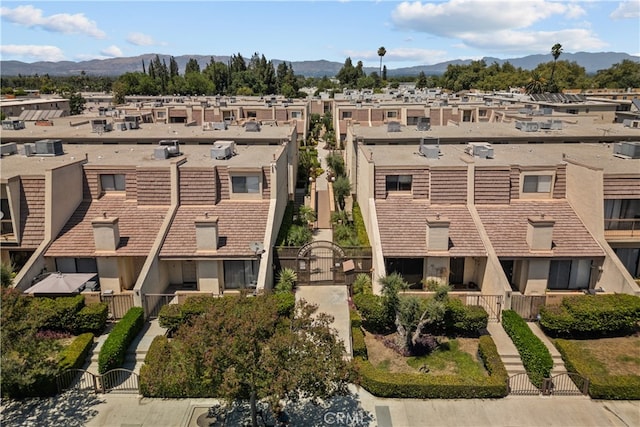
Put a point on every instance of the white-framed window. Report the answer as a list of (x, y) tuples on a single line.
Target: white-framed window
[(398, 182), (112, 182), (346, 115), (296, 114), (536, 185), (249, 184), (392, 114)]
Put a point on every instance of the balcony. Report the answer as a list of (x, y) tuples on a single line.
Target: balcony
[(622, 229)]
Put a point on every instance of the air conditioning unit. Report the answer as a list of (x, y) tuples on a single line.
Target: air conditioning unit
[(223, 150), (161, 153), (173, 146), (252, 126), (29, 149), (430, 148), (630, 150), (482, 150), (49, 147), (424, 123), (393, 127), (9, 148)]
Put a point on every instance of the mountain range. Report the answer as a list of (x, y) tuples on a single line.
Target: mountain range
[(592, 62)]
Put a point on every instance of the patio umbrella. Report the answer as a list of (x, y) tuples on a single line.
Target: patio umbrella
[(61, 283)]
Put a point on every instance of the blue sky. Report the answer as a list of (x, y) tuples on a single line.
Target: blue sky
[(412, 32)]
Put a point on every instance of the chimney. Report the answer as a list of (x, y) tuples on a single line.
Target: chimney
[(540, 233), (437, 233), (106, 233), (206, 233)]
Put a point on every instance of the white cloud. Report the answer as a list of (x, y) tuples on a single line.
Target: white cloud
[(64, 23), (423, 56), (140, 39), (627, 10), (111, 52), (33, 52), (526, 42)]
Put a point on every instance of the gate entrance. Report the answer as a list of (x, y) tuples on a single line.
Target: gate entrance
[(321, 263)]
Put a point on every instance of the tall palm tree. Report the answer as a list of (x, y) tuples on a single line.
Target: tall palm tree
[(381, 52), (535, 84), (556, 51)]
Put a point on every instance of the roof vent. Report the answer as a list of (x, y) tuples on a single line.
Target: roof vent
[(29, 149), (172, 145), (393, 127), (223, 150), (424, 123), (627, 150), (252, 126), (482, 150), (49, 147)]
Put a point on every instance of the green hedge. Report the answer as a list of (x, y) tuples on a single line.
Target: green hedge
[(358, 222), (592, 316), (375, 316), (424, 386), (56, 314), (535, 355), (91, 318), (464, 320), (359, 346), (287, 222), (113, 350), (286, 303), (75, 354), (601, 385)]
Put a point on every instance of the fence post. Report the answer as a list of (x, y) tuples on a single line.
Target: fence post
[(585, 386)]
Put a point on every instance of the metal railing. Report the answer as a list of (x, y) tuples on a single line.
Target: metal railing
[(626, 226)]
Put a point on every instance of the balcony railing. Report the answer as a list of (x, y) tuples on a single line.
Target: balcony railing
[(622, 227)]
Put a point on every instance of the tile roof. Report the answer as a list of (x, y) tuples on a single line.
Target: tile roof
[(32, 211), (507, 229), (403, 228), (139, 227), (239, 223)]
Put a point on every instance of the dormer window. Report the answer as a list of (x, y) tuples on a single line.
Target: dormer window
[(398, 183), (249, 184), (112, 182), (536, 185)]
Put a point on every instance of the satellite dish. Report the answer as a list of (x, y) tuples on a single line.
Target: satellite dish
[(257, 247)]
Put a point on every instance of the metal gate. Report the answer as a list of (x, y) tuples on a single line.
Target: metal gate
[(116, 380), (321, 262), (119, 304), (492, 304), (566, 384), (520, 385), (527, 306), (154, 302)]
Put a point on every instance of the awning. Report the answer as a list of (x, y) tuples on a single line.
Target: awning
[(61, 284)]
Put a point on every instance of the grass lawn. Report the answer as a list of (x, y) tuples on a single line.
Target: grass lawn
[(612, 356), (457, 356)]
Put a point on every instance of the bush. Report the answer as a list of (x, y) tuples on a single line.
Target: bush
[(75, 354), (358, 222), (286, 303), (601, 385), (424, 386), (376, 317), (56, 314), (91, 318), (362, 284), (113, 350), (535, 355), (170, 317), (359, 346), (592, 316), (464, 320)]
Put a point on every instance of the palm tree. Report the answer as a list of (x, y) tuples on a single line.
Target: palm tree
[(535, 84), (556, 51), (381, 52)]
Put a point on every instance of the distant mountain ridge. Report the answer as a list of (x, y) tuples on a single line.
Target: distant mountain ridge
[(592, 62)]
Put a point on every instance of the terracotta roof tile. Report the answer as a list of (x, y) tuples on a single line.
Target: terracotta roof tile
[(31, 212), (239, 223), (139, 227), (403, 228), (507, 229)]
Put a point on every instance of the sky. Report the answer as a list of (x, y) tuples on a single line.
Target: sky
[(412, 32)]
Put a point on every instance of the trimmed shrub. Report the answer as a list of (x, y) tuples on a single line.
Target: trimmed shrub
[(359, 346), (113, 350), (75, 354), (535, 355), (376, 317), (286, 303), (355, 318), (358, 222), (91, 318), (601, 385), (56, 314), (424, 386), (464, 320), (592, 316), (170, 317)]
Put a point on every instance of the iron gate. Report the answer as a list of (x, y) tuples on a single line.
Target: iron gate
[(565, 384), (320, 262), (116, 380), (520, 385)]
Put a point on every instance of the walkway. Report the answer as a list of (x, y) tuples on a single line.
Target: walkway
[(322, 192)]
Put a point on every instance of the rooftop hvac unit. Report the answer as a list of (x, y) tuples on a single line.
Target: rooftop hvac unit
[(430, 148), (122, 126), (556, 124), (483, 150), (29, 149), (223, 150), (547, 111), (173, 146), (529, 126), (161, 153), (545, 125), (630, 150), (49, 147), (252, 126), (424, 123), (219, 125), (9, 148), (393, 127)]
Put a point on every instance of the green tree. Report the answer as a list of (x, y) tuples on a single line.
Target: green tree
[(421, 82), (6, 275), (381, 52), (622, 75), (556, 51), (192, 67), (341, 190), (536, 83)]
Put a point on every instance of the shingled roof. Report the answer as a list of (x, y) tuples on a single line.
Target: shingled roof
[(506, 226), (31, 212), (138, 225), (403, 228), (239, 224)]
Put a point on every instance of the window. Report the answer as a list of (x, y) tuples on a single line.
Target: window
[(398, 183), (252, 114), (569, 274), (392, 114), (245, 184), (346, 114), (621, 214), (76, 265), (537, 184), (160, 114), (296, 115), (112, 182), (5, 223), (240, 274)]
